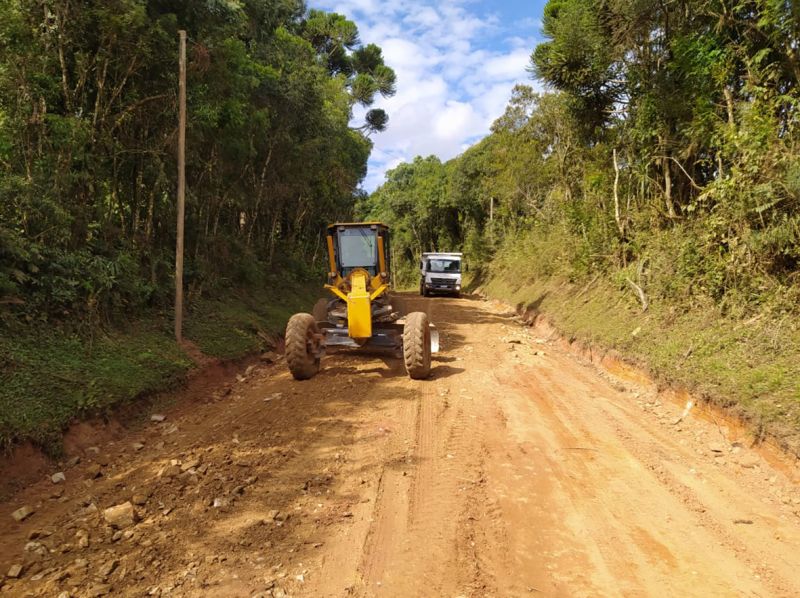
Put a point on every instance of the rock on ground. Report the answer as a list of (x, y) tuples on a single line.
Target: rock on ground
[(22, 513), (120, 516)]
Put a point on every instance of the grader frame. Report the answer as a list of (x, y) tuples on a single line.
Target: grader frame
[(363, 311)]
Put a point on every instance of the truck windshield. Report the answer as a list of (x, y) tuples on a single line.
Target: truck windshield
[(358, 248), (444, 266)]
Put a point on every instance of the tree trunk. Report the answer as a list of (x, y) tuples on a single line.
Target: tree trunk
[(272, 235), (62, 20), (729, 105), (666, 165), (666, 168), (617, 216)]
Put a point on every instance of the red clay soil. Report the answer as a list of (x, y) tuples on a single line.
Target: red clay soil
[(517, 469)]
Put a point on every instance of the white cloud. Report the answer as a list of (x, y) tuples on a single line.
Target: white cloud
[(455, 64), (507, 66), (424, 16), (454, 121)]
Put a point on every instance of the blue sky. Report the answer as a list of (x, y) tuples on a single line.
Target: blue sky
[(456, 63)]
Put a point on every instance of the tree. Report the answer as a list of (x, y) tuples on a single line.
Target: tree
[(88, 133), (665, 151), (362, 68)]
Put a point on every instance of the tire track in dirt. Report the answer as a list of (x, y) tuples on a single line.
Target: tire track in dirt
[(516, 470), (639, 538), (421, 521), (388, 520), (479, 526)]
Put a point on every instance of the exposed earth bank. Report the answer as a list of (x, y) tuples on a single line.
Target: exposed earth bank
[(518, 469)]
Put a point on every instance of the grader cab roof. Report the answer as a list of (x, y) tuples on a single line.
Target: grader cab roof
[(357, 225)]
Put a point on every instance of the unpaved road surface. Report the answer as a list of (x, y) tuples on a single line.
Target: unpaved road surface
[(516, 470)]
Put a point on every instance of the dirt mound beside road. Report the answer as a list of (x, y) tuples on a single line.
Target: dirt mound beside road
[(515, 469)]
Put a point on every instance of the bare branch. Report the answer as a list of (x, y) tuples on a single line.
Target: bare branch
[(641, 293)]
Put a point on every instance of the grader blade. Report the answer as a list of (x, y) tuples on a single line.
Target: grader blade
[(434, 339)]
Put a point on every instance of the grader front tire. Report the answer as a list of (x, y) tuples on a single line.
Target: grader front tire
[(417, 345), (302, 346)]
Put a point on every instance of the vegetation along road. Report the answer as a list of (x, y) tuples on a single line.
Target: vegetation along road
[(517, 469)]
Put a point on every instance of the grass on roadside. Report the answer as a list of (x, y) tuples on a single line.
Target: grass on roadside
[(234, 327), (49, 376)]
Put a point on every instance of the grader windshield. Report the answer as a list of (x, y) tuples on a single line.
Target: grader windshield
[(354, 246), (358, 248)]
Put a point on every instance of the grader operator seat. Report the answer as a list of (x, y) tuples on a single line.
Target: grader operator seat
[(361, 311)]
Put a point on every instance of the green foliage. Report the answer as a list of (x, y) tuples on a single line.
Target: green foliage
[(665, 154), (236, 326), (335, 39), (424, 214), (88, 140), (579, 58), (88, 114)]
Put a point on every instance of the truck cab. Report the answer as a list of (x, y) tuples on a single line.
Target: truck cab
[(440, 273)]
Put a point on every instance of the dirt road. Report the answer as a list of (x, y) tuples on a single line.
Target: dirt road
[(516, 470)]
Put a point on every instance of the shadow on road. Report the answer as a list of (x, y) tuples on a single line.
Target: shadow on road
[(445, 371), (533, 306), (393, 368)]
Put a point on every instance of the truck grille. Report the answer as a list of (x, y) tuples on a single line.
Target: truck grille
[(443, 281)]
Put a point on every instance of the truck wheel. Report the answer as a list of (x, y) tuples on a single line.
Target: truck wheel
[(417, 345), (302, 346), (321, 311)]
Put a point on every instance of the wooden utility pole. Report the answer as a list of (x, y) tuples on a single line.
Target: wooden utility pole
[(181, 189)]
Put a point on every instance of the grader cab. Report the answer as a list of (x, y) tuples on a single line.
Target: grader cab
[(362, 311)]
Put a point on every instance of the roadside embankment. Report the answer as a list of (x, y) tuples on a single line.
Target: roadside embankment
[(53, 375), (747, 367)]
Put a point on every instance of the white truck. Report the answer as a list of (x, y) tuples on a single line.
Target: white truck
[(440, 273)]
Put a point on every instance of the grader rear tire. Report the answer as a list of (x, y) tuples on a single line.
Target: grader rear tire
[(417, 345), (301, 346)]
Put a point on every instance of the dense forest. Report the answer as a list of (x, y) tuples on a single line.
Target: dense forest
[(88, 138), (664, 155)]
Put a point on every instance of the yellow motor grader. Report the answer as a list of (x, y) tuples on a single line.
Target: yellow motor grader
[(361, 313)]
